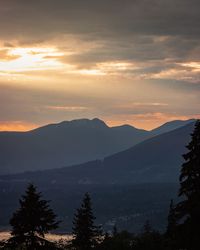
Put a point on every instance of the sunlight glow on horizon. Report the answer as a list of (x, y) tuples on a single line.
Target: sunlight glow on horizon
[(145, 121), (17, 126), (120, 88), (31, 59)]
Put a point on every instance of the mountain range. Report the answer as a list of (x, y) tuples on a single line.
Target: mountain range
[(154, 160), (69, 142), (127, 188)]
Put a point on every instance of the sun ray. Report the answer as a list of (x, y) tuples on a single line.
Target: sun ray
[(31, 59)]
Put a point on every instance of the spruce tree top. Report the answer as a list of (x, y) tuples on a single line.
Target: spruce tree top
[(190, 172), (187, 210), (33, 219), (85, 232)]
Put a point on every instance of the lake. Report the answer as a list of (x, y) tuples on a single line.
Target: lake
[(51, 237)]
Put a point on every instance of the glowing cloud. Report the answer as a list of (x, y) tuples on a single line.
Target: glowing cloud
[(194, 65), (147, 121), (67, 108), (31, 59), (16, 126)]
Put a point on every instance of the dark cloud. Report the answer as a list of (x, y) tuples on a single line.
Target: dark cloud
[(100, 18), (127, 30), (156, 36)]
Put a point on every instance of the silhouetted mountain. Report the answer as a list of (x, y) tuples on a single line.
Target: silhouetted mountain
[(144, 177), (169, 126), (65, 143), (155, 160)]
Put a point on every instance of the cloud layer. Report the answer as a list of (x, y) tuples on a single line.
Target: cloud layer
[(112, 59)]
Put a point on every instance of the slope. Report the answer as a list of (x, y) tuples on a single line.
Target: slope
[(155, 160), (63, 144)]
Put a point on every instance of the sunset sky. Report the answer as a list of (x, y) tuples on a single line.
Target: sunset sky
[(123, 61)]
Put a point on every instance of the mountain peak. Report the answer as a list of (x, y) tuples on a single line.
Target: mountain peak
[(84, 122), (99, 122), (93, 123), (171, 125)]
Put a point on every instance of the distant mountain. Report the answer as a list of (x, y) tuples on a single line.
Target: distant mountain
[(127, 188), (155, 160), (68, 143), (65, 143), (169, 126)]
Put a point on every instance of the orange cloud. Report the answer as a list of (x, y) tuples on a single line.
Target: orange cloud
[(188, 71), (16, 126), (29, 59), (67, 108), (147, 121), (6, 56)]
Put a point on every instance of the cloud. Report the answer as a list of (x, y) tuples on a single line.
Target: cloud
[(16, 126), (110, 21), (148, 120), (104, 58), (154, 34), (32, 106), (6, 56), (67, 108), (100, 18)]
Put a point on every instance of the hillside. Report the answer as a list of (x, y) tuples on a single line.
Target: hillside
[(144, 177), (63, 144), (157, 159), (69, 143)]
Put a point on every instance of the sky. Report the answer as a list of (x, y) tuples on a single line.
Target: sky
[(124, 61)]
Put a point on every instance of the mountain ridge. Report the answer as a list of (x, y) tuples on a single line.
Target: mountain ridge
[(135, 176), (156, 159), (64, 144)]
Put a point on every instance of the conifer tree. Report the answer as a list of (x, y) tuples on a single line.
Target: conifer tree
[(171, 232), (188, 210), (115, 231), (171, 226), (85, 233), (31, 221), (147, 229)]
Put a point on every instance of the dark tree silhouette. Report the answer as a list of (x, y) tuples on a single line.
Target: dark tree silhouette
[(86, 234), (147, 227), (115, 231), (171, 225), (31, 221), (188, 210), (171, 232)]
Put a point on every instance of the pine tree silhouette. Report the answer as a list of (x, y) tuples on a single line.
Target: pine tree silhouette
[(31, 221), (115, 231), (171, 226), (188, 210), (171, 232), (147, 229), (86, 234)]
